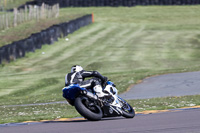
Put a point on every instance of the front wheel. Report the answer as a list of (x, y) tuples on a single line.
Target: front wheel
[(88, 109), (127, 110)]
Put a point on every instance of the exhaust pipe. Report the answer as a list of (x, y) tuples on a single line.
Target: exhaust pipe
[(90, 94)]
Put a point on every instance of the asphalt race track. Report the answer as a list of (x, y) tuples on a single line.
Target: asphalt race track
[(175, 84), (186, 121)]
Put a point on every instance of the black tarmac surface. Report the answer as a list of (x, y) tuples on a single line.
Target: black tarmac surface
[(176, 84), (186, 121)]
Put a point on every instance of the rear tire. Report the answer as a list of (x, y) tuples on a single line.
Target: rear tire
[(93, 114)]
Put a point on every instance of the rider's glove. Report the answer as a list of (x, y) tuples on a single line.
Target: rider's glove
[(105, 81)]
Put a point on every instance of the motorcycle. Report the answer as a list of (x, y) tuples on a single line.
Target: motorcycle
[(93, 108)]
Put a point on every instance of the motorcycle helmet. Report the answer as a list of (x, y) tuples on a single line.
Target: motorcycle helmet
[(76, 68)]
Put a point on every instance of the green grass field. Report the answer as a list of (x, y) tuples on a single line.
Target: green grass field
[(125, 44), (9, 4)]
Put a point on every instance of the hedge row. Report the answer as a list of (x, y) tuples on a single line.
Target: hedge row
[(35, 41), (87, 3)]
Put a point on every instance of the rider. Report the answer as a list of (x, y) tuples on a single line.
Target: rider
[(78, 75)]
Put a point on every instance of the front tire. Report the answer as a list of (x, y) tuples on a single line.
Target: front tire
[(128, 111), (87, 109)]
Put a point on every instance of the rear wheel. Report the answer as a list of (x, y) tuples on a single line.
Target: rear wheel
[(88, 109)]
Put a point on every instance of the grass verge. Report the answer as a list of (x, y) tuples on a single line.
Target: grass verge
[(56, 111)]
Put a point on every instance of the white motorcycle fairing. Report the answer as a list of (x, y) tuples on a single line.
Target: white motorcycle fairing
[(115, 107)]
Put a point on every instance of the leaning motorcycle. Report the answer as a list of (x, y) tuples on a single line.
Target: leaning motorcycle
[(93, 108)]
